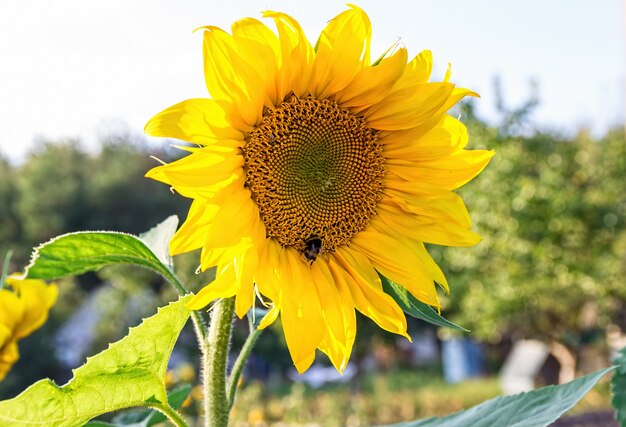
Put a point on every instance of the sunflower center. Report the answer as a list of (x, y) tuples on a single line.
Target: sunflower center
[(316, 172)]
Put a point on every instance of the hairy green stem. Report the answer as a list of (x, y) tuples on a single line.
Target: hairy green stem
[(5, 268), (215, 359), (241, 362), (172, 415), (199, 324)]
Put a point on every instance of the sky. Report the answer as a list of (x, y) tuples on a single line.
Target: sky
[(83, 68)]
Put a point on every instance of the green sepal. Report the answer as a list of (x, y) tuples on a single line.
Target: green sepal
[(414, 307)]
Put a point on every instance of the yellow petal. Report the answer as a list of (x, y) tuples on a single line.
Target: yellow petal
[(301, 313), (244, 270), (268, 278), (253, 29), (270, 317), (335, 337), (367, 294), (5, 332), (427, 200), (194, 231), (338, 309), (419, 69), (235, 228), (231, 76), (450, 172), (224, 286), (398, 260), (403, 233), (342, 50), (411, 145), (305, 363), (254, 40), (404, 109), (37, 298), (201, 172), (11, 308), (9, 354), (371, 84), (432, 269), (415, 74), (432, 227), (296, 55), (198, 121), (456, 95)]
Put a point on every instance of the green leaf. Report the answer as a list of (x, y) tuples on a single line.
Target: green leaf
[(76, 253), (414, 307), (146, 417), (102, 424), (175, 398), (618, 387), (129, 373), (158, 239), (537, 408)]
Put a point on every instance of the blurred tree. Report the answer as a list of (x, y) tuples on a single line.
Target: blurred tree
[(515, 120), (551, 265), (51, 193), (119, 197), (10, 225)]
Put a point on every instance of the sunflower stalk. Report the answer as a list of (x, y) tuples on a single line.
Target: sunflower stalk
[(199, 324), (171, 414), (215, 360), (5, 268), (241, 362)]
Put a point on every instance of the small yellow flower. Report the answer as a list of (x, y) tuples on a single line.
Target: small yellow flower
[(187, 372), (314, 171), (22, 310)]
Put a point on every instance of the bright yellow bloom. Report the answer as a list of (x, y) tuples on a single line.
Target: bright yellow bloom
[(22, 310), (314, 171)]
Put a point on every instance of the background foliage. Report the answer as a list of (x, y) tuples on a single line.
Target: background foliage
[(552, 263), (551, 209)]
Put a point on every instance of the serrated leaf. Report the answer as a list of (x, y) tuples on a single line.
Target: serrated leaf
[(414, 307), (175, 398), (76, 253), (145, 417), (158, 239), (618, 387), (129, 373), (537, 408)]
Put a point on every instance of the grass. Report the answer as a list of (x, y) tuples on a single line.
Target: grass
[(374, 399), (380, 399)]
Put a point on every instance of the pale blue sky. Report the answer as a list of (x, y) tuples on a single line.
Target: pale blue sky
[(72, 68)]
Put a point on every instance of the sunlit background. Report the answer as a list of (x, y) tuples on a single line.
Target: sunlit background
[(79, 79), (76, 68)]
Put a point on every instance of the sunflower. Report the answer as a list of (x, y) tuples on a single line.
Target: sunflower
[(22, 310), (314, 170)]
